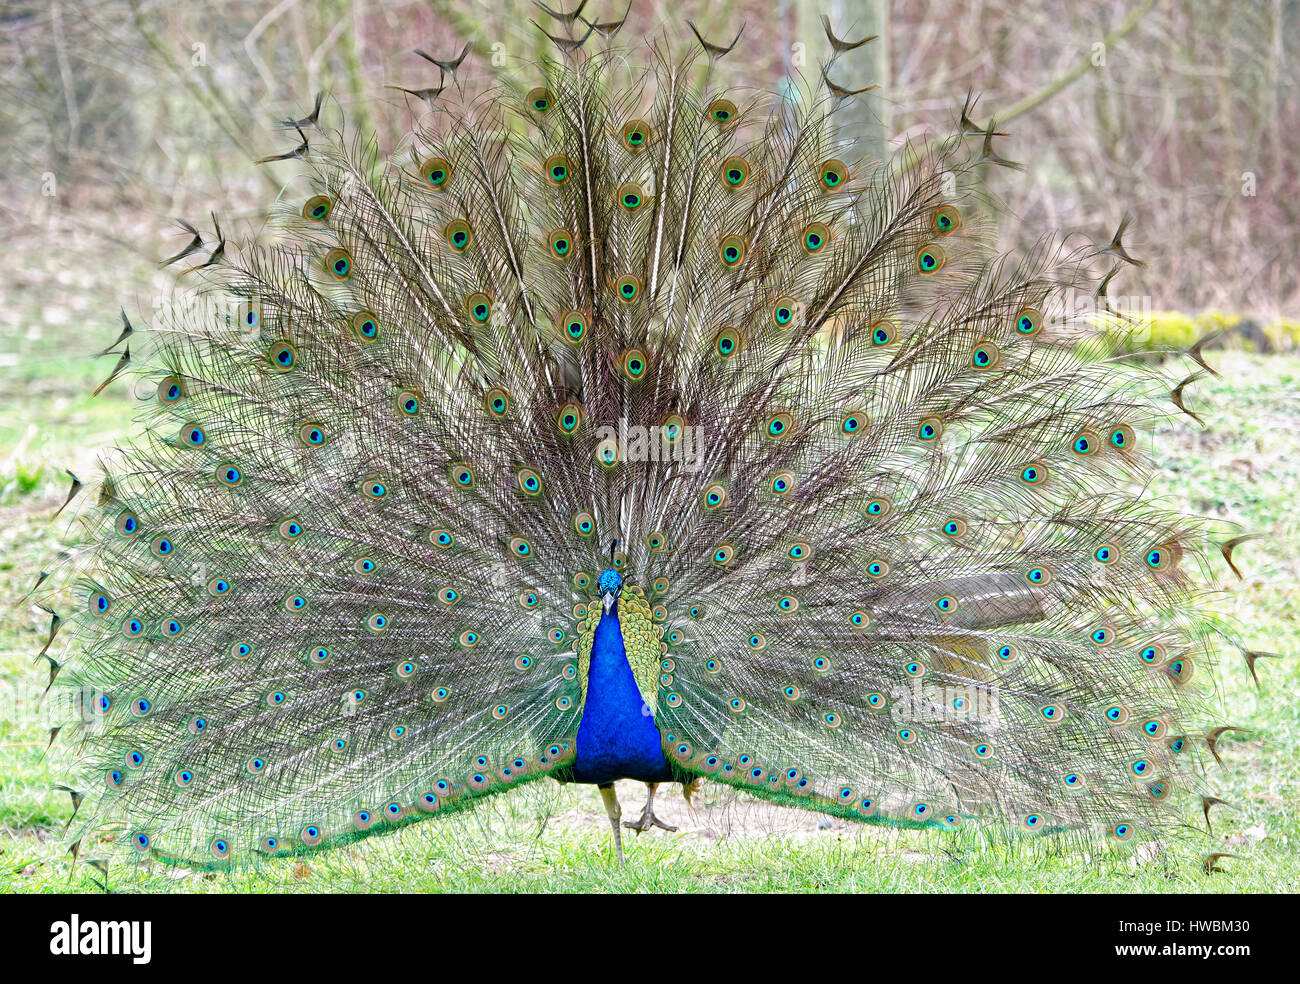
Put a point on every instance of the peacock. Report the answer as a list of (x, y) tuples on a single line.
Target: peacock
[(622, 424)]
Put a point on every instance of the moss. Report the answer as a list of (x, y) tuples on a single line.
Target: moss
[(1177, 331)]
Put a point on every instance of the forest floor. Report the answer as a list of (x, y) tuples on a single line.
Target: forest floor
[(1243, 469)]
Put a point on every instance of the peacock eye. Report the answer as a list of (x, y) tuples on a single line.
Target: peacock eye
[(437, 172), (833, 175)]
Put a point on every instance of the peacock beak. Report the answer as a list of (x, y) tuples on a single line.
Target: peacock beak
[(609, 599)]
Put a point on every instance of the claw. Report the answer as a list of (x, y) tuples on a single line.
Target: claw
[(648, 818), (646, 821)]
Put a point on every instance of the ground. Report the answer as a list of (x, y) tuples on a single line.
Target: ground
[(1243, 469)]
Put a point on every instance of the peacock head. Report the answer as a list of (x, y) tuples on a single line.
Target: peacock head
[(610, 584)]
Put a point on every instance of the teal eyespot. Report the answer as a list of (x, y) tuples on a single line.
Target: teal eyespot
[(458, 235), (557, 168), (479, 306), (635, 364), (631, 197), (815, 237), (530, 483), (1085, 444), (436, 171), (317, 208), (1151, 654), (985, 356), (628, 289), (833, 174), (1163, 558), (1035, 474), (722, 111), (560, 243), (338, 263), (946, 219), (1179, 670), (853, 422), (1029, 321), (575, 325), (636, 133), (930, 259), (727, 342), (366, 326), (779, 424), (732, 251), (171, 389)]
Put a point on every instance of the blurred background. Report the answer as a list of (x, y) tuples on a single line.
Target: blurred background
[(118, 116)]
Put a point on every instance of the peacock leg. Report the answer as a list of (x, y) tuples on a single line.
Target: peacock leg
[(648, 818), (615, 814)]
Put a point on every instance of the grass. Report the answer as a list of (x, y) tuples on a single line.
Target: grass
[(1243, 469)]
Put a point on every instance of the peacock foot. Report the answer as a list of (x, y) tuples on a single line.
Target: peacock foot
[(646, 821)]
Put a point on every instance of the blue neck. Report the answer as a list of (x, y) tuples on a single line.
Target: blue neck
[(617, 737)]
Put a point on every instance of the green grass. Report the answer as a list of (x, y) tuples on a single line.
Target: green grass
[(1244, 469)]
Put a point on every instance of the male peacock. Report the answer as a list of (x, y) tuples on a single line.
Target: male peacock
[(618, 428)]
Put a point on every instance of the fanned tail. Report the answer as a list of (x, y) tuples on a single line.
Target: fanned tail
[(881, 508)]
